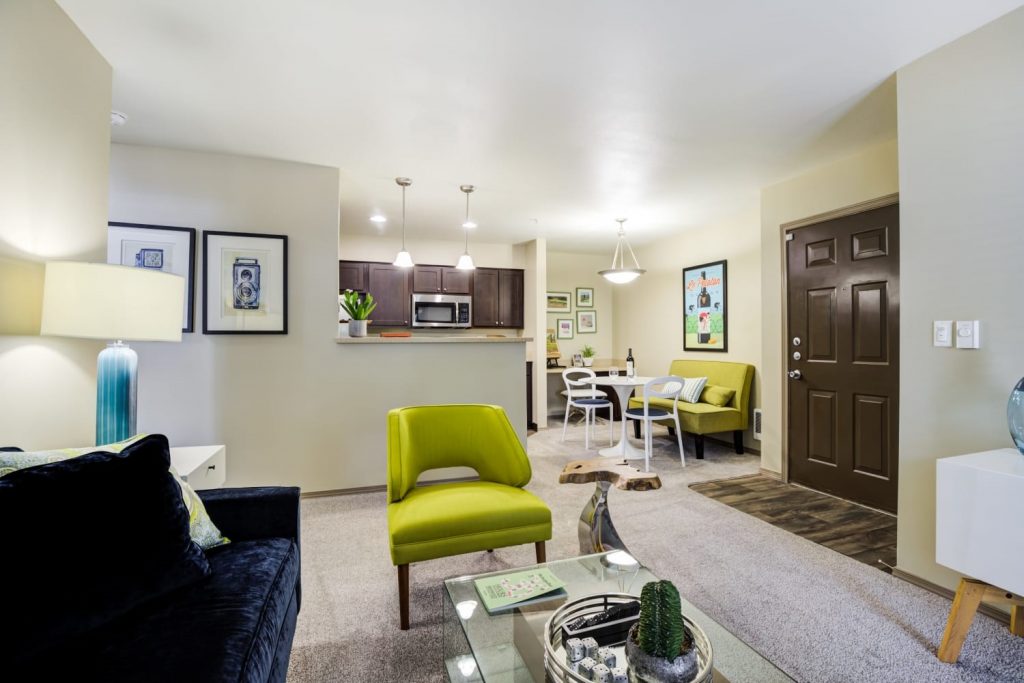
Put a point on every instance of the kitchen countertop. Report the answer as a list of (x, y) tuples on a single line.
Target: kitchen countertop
[(461, 339)]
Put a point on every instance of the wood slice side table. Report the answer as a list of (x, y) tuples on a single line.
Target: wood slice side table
[(597, 534)]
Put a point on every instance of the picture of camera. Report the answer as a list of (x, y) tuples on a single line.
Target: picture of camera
[(245, 279), (150, 258)]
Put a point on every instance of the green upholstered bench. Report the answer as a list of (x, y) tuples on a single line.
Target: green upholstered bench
[(703, 418)]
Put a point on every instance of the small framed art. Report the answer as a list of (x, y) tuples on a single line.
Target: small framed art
[(586, 322), (157, 247), (245, 283), (705, 307), (584, 297), (565, 328), (559, 302)]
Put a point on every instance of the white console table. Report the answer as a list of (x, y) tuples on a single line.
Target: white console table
[(979, 508), (203, 467)]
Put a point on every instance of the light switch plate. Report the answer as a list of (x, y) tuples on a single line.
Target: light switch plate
[(968, 334), (942, 333)]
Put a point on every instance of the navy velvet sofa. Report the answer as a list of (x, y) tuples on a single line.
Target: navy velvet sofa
[(236, 625)]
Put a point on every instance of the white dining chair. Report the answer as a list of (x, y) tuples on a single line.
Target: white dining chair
[(586, 397), (658, 387)]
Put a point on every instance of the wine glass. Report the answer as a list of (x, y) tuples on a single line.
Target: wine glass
[(613, 372)]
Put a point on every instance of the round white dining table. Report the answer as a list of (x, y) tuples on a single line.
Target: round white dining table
[(623, 387)]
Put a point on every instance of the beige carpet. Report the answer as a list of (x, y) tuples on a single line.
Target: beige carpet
[(818, 615)]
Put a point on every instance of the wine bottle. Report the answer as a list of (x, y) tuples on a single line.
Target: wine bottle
[(630, 364)]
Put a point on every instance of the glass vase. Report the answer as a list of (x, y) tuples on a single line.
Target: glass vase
[(1015, 415)]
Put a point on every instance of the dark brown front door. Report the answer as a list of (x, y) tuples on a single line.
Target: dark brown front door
[(842, 351)]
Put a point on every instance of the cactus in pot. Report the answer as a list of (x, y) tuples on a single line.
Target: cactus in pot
[(659, 647)]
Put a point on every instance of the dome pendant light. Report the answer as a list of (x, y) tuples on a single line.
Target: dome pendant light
[(466, 261), (619, 274), (404, 259)]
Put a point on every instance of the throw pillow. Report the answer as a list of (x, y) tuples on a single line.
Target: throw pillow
[(201, 527), (716, 395), (88, 539), (692, 386)]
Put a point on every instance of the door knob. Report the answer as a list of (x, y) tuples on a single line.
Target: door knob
[(795, 374)]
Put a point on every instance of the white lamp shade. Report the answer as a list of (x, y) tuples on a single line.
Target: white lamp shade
[(465, 263), (403, 260), (99, 301)]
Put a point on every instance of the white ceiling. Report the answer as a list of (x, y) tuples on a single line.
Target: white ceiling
[(565, 114)]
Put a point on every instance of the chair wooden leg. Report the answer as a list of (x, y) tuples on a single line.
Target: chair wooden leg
[(698, 442), (541, 552), (737, 441), (403, 595), (1017, 620)]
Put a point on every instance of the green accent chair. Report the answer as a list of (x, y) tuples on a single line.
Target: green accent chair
[(702, 417), (440, 520)]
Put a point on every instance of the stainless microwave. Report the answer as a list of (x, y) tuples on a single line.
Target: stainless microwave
[(441, 310)]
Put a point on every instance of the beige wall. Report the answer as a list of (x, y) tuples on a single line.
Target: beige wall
[(298, 408), (871, 174), (54, 146), (566, 272), (962, 240), (430, 252), (649, 311)]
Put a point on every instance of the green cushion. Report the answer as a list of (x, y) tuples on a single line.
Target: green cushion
[(201, 528), (450, 519), (698, 418), (716, 395)]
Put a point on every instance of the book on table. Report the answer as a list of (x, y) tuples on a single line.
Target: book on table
[(507, 591)]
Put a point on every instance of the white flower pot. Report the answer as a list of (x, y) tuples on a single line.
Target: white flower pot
[(357, 328), (588, 362)]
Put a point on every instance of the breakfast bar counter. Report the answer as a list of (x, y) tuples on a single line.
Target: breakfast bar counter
[(433, 339)]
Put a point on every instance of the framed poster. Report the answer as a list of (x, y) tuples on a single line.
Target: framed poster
[(565, 328), (245, 283), (157, 247), (586, 322), (584, 297), (705, 312), (559, 302)]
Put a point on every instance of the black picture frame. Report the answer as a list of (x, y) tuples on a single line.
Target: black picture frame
[(190, 285), (209, 281), (718, 339)]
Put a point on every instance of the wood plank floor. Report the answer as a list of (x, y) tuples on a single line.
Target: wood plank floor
[(858, 532)]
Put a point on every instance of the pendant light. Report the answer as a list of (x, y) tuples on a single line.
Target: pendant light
[(466, 261), (619, 274), (404, 259)]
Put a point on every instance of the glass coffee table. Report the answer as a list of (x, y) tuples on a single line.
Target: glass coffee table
[(508, 647)]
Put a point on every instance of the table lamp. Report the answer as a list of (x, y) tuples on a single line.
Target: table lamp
[(119, 303)]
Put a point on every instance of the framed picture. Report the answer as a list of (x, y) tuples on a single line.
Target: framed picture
[(586, 322), (157, 247), (705, 307), (559, 302), (245, 283), (584, 297), (565, 328), (577, 360)]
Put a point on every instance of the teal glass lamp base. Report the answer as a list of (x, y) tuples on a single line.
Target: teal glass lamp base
[(116, 383)]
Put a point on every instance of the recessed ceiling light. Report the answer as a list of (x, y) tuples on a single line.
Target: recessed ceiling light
[(118, 118), (377, 218), (469, 224)]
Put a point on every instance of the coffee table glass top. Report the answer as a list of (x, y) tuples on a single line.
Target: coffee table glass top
[(507, 647)]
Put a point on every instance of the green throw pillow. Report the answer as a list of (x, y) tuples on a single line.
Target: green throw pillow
[(716, 395), (201, 528)]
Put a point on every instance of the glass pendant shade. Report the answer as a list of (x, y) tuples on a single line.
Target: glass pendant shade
[(403, 260), (619, 274), (1015, 415), (465, 262)]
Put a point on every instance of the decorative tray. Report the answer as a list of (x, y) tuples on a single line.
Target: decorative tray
[(559, 671)]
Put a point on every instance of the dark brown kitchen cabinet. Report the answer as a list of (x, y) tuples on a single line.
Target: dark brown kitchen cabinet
[(389, 286), (351, 275), (510, 297), (497, 297), (440, 280)]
